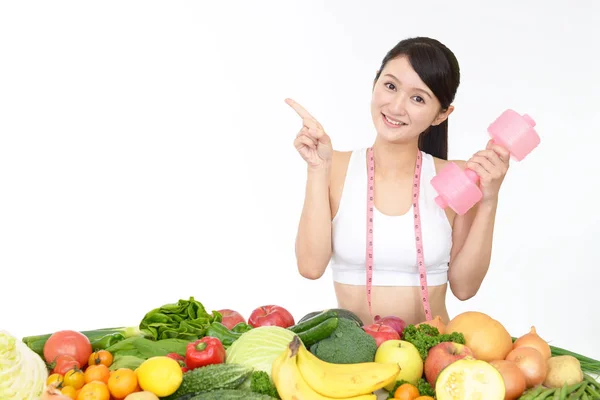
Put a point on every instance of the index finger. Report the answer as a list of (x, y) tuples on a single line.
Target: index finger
[(503, 153), (299, 109)]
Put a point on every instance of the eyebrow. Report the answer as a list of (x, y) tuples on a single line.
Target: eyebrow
[(417, 89)]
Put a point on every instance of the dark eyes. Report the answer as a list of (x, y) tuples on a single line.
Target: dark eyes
[(391, 86)]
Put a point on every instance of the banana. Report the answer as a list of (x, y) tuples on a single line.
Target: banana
[(344, 380), (289, 381)]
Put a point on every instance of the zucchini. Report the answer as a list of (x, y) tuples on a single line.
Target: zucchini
[(341, 312), (212, 377), (313, 321), (231, 394), (319, 332)]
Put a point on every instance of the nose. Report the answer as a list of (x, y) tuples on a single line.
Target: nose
[(398, 104)]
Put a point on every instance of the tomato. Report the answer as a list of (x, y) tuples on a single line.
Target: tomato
[(94, 391), (70, 343), (98, 372), (100, 357), (69, 391), (122, 383), (54, 380), (74, 378), (64, 364)]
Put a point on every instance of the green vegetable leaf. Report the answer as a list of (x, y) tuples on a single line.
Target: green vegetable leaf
[(186, 319), (424, 337)]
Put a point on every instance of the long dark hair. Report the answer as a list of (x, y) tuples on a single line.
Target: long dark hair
[(438, 68)]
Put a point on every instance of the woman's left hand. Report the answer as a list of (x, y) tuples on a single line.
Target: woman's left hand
[(491, 165)]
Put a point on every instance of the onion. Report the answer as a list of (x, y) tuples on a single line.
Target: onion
[(514, 379), (532, 339), (396, 323), (52, 393), (531, 363)]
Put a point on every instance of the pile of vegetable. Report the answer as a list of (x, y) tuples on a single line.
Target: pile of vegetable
[(180, 351)]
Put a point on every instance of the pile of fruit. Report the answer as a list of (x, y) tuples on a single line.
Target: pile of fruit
[(180, 351)]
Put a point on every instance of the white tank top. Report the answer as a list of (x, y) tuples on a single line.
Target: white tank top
[(394, 248)]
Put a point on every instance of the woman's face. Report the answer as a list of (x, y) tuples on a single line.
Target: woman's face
[(402, 106)]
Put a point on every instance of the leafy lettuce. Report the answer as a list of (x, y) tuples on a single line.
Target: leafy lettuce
[(186, 319)]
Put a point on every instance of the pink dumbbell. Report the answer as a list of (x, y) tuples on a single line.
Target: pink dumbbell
[(458, 189)]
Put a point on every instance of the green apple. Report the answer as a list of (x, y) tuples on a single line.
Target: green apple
[(406, 355)]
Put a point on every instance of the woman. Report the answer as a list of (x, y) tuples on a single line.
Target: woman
[(412, 98)]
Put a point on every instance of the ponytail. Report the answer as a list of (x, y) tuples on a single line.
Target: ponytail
[(434, 140)]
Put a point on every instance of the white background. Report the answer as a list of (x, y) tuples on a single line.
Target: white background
[(146, 152)]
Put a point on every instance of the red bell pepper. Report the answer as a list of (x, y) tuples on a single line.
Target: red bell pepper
[(180, 359), (205, 351)]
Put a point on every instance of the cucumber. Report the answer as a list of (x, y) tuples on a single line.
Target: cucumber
[(231, 394), (341, 312), (319, 332), (313, 321), (212, 377)]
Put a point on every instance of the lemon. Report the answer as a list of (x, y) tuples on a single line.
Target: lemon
[(160, 375)]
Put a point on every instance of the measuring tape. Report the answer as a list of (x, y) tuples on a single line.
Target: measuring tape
[(418, 233)]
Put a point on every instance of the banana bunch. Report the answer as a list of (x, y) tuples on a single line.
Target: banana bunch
[(300, 375)]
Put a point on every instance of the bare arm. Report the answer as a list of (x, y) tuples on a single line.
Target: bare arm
[(472, 249), (473, 232), (313, 242)]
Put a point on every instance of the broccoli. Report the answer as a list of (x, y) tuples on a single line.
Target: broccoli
[(262, 384), (348, 344)]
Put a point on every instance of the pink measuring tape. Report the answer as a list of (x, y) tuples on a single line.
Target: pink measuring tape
[(418, 235)]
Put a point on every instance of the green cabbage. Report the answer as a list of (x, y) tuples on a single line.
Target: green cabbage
[(23, 373), (258, 348)]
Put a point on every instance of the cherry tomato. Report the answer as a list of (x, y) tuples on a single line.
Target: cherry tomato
[(69, 391), (54, 380), (74, 378), (101, 357)]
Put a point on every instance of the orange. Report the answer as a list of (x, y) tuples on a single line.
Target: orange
[(98, 372), (406, 391), (122, 382), (94, 391)]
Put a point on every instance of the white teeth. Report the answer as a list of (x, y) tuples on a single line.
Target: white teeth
[(393, 122)]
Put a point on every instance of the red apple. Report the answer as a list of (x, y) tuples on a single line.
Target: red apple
[(271, 315), (230, 317), (441, 355), (381, 333)]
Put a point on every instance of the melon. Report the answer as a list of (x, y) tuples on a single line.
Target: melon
[(468, 378), (487, 338)]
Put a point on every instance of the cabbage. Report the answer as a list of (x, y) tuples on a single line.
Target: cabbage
[(258, 348), (23, 373)]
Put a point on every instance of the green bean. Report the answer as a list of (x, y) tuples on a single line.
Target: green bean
[(580, 391)]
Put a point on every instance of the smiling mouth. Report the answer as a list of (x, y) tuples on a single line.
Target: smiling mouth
[(392, 122)]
